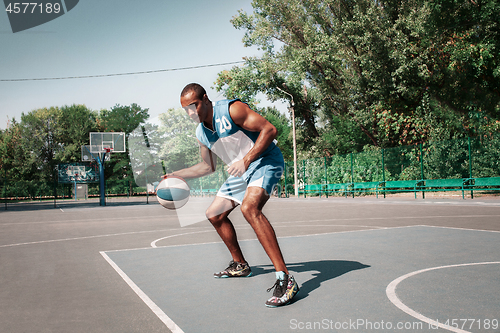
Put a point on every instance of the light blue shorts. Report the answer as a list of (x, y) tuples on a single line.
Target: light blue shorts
[(264, 172)]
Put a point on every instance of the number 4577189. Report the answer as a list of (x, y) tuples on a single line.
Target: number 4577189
[(32, 8)]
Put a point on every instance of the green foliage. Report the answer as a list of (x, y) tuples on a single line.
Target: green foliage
[(74, 124), (401, 72), (486, 156), (122, 118), (283, 125), (40, 142), (32, 149), (179, 147), (144, 144)]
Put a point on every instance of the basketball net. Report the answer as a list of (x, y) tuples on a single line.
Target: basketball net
[(106, 151)]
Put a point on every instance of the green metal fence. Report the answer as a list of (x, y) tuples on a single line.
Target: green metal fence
[(466, 158)]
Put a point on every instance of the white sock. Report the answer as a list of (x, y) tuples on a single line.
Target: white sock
[(280, 275)]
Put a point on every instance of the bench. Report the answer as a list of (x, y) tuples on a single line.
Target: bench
[(312, 188), (453, 184), (337, 188), (208, 192), (366, 187), (402, 186), (428, 185), (483, 184)]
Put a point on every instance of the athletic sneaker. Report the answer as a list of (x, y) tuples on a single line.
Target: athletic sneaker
[(235, 269), (285, 288)]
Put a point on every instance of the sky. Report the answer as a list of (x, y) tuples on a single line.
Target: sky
[(119, 36)]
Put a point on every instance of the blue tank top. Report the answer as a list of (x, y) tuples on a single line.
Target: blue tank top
[(229, 141)]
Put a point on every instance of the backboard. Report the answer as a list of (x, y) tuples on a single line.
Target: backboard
[(99, 141), (87, 156), (77, 173)]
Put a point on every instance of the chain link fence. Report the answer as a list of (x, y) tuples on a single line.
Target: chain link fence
[(465, 158), (477, 157)]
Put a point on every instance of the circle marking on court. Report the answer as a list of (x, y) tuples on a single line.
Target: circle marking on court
[(391, 294)]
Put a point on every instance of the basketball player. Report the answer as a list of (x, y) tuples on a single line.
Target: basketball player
[(244, 140)]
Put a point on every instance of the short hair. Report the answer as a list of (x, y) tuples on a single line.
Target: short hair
[(196, 88)]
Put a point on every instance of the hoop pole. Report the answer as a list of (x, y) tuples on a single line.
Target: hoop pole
[(102, 192)]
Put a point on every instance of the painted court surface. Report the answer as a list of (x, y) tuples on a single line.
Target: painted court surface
[(363, 265)]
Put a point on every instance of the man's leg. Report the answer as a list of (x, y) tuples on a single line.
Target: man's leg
[(285, 287), (253, 203), (217, 214)]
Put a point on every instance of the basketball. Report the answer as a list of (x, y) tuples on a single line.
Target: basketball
[(172, 192)]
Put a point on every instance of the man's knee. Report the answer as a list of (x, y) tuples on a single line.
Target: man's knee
[(214, 217), (217, 213), (250, 211)]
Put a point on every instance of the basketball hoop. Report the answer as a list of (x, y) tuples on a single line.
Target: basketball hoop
[(108, 150)]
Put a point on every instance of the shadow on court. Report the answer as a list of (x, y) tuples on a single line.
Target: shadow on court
[(321, 270)]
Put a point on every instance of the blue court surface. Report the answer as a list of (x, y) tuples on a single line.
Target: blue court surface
[(405, 279)]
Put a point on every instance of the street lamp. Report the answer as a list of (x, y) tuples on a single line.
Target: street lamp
[(294, 144)]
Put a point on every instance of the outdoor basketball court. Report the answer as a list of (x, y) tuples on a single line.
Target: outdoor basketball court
[(363, 264)]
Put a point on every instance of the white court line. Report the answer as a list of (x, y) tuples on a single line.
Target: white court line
[(141, 232), (152, 305), (457, 228), (97, 220), (153, 243), (394, 218), (373, 228), (391, 294), (84, 237)]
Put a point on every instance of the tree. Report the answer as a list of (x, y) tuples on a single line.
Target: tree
[(283, 125), (179, 147), (121, 119), (389, 67), (144, 145), (465, 68), (12, 154), (74, 125), (40, 140), (164, 148)]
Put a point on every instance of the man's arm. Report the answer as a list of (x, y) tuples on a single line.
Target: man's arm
[(204, 168), (250, 120)]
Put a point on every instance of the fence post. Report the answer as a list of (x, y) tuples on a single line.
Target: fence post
[(286, 189), (304, 168), (326, 178), (470, 166), (5, 188), (55, 189), (422, 168), (352, 174), (383, 167)]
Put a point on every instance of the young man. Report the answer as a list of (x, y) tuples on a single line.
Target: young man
[(244, 140)]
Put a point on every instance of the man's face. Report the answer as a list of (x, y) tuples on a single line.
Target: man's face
[(194, 107)]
